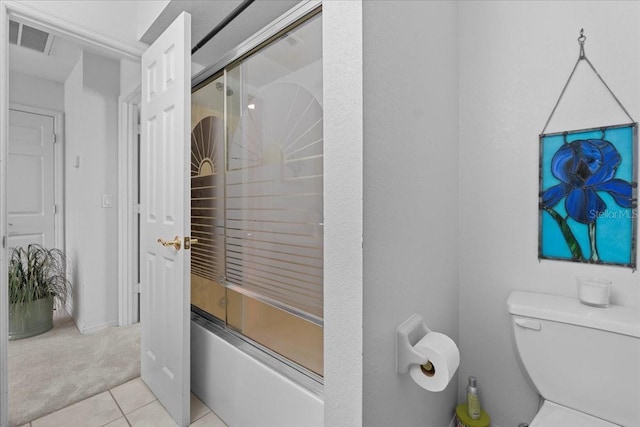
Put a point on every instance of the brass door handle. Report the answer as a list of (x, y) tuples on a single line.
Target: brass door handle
[(188, 242), (176, 243)]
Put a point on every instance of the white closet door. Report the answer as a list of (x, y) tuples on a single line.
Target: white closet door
[(30, 180)]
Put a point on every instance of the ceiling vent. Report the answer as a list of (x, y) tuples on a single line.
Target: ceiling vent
[(29, 37)]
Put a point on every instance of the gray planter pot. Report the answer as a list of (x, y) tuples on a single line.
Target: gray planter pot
[(30, 319)]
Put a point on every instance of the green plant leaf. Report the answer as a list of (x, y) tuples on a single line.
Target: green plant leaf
[(37, 272), (572, 243)]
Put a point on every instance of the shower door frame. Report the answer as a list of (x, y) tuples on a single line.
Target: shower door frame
[(284, 366)]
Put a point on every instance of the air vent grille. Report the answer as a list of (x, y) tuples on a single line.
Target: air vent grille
[(29, 37), (14, 28)]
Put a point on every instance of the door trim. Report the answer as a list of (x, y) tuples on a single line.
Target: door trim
[(58, 165), (101, 43), (128, 107), (4, 290)]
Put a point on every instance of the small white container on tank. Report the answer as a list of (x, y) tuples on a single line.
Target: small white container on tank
[(594, 291)]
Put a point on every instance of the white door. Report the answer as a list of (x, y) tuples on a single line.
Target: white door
[(165, 216), (30, 180)]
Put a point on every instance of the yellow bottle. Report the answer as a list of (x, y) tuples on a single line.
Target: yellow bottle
[(473, 402)]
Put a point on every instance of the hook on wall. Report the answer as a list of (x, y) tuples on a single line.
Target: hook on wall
[(581, 40)]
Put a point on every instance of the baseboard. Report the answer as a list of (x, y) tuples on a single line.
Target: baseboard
[(95, 328)]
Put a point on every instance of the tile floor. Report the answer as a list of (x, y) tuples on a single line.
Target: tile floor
[(129, 404)]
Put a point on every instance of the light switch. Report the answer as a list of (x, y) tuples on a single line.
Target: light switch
[(106, 201)]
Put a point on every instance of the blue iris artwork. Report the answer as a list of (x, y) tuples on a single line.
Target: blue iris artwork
[(588, 195)]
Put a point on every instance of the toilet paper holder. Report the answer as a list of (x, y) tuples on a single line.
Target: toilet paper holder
[(408, 334)]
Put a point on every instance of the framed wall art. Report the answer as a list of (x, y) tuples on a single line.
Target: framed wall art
[(588, 189), (588, 195)]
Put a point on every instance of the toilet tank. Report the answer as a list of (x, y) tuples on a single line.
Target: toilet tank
[(581, 357)]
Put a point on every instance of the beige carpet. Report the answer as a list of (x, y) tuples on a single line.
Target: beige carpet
[(61, 367)]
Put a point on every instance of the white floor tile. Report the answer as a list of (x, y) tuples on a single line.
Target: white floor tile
[(198, 409), (140, 407), (151, 415), (120, 422), (132, 395), (209, 420), (94, 411)]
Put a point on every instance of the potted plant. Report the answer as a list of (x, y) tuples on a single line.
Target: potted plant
[(37, 277)]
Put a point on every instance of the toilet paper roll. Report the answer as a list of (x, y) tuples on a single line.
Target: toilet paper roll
[(443, 358)]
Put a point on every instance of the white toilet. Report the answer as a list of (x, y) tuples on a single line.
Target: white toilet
[(584, 361)]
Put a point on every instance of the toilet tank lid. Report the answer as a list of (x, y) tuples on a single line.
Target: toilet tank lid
[(615, 318)]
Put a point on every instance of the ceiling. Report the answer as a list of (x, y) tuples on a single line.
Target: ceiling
[(205, 16)]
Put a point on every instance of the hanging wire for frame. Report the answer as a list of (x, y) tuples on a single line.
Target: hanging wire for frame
[(581, 39)]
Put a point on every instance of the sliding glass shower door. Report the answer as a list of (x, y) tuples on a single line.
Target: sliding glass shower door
[(257, 196)]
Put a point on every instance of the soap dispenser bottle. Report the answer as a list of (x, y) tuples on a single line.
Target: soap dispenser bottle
[(473, 402)]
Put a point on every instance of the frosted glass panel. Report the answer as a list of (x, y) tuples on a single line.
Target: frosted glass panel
[(207, 199), (274, 181)]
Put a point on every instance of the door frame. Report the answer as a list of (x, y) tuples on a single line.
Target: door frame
[(128, 228), (58, 165), (4, 290), (87, 38)]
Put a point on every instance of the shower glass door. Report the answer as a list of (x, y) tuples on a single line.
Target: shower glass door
[(257, 196)]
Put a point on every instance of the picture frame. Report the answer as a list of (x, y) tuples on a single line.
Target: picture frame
[(588, 195)]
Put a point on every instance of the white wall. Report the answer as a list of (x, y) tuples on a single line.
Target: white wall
[(146, 13), (410, 199), (130, 76), (342, 69), (73, 181), (91, 93), (36, 92), (514, 60)]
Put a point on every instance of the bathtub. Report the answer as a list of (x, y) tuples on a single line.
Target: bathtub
[(243, 391)]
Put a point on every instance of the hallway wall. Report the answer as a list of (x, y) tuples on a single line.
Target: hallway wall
[(515, 58), (36, 92), (91, 95)]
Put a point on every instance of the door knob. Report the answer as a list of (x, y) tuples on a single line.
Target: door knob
[(176, 243), (188, 242)]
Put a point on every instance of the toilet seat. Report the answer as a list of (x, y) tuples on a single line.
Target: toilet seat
[(554, 415)]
